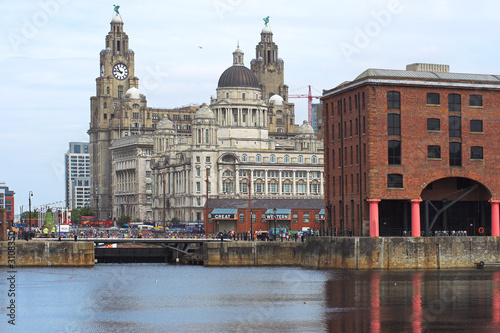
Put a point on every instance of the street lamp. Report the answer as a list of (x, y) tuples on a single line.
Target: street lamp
[(274, 217), (29, 197)]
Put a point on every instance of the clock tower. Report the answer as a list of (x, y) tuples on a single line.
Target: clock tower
[(116, 77)]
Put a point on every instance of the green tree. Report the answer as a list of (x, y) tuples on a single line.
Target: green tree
[(123, 220), (175, 220), (76, 214), (48, 221)]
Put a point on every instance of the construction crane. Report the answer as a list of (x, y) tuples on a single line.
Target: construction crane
[(309, 97)]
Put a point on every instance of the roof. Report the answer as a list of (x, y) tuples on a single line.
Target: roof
[(224, 211), (238, 76)]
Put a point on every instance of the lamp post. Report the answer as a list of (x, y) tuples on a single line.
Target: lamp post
[(29, 197), (274, 217), (205, 225)]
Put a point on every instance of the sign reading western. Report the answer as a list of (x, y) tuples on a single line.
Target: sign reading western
[(278, 217)]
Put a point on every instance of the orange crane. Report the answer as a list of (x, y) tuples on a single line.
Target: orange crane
[(309, 97)]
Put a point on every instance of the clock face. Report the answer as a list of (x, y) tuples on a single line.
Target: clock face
[(120, 71), (102, 70)]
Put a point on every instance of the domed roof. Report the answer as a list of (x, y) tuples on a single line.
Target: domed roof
[(133, 93), (165, 124), (238, 76), (276, 100), (267, 30), (117, 19), (204, 113), (305, 128)]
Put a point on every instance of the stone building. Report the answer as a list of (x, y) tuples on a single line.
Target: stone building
[(413, 151), (250, 120)]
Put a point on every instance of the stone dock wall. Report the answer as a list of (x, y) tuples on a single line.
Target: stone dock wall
[(49, 253), (358, 252)]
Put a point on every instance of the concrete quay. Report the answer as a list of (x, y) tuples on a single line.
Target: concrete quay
[(358, 253)]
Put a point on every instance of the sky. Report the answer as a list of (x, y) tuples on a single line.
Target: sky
[(49, 55)]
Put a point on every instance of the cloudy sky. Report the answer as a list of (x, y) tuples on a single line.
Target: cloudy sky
[(49, 54)]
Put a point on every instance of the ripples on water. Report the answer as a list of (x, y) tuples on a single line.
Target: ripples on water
[(169, 298)]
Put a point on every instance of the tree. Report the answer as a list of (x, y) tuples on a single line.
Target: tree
[(48, 221), (123, 220), (76, 214), (175, 220)]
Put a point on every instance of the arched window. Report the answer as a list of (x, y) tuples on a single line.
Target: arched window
[(258, 158), (272, 159), (314, 159), (244, 157), (227, 159), (287, 159), (300, 159)]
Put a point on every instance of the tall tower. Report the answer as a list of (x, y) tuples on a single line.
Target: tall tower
[(268, 67), (116, 67)]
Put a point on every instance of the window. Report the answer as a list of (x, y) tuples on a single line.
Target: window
[(258, 158), (476, 153), (148, 174), (227, 159), (305, 217), (207, 159), (287, 159), (105, 116), (476, 126), (455, 154), (393, 124), (107, 90), (135, 115), (198, 187), (455, 127), (242, 217), (395, 180), (454, 103), (105, 105), (433, 124), (433, 98), (476, 100), (300, 159), (394, 152), (393, 100), (314, 160), (197, 159), (433, 151)]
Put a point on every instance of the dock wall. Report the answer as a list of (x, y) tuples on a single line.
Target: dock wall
[(49, 253), (358, 252)]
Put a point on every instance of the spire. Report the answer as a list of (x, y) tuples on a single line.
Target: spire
[(238, 56)]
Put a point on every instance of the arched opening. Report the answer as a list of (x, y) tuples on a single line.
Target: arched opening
[(452, 206)]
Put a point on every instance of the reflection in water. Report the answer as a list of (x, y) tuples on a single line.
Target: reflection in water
[(414, 301), (167, 298)]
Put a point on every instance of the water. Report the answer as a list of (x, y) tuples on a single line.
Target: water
[(169, 298)]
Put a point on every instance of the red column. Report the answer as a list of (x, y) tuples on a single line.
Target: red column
[(495, 218), (374, 222), (415, 217)]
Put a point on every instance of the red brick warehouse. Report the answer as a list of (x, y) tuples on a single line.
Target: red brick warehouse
[(412, 152)]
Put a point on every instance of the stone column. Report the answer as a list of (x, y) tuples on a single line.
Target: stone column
[(374, 219), (415, 217), (237, 180), (495, 218)]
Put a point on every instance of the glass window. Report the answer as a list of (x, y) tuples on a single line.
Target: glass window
[(295, 217), (287, 159), (454, 102), (207, 159), (395, 180), (476, 153), (306, 217), (476, 126), (242, 217), (198, 187), (314, 160), (258, 158), (393, 100), (393, 124), (455, 127), (455, 154), (433, 151), (244, 157), (300, 159), (433, 124), (394, 152), (476, 100), (433, 98)]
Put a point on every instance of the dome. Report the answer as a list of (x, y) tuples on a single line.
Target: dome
[(133, 93), (238, 76), (267, 30), (305, 128), (276, 100), (204, 113), (117, 19), (165, 124)]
